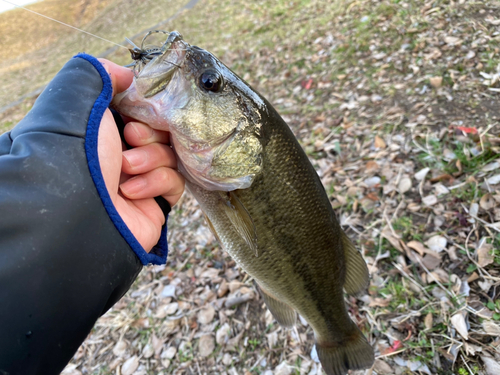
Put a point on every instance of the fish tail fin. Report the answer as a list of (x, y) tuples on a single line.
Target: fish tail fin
[(352, 354)]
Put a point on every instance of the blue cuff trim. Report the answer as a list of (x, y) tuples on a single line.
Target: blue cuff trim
[(159, 253)]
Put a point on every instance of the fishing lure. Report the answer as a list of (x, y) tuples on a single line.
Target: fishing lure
[(145, 53)]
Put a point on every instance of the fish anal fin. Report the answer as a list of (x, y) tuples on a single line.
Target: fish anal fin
[(357, 277), (283, 313), (240, 218), (354, 353)]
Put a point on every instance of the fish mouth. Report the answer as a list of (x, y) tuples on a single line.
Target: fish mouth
[(158, 72)]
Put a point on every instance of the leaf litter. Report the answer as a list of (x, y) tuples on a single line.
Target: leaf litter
[(397, 107)]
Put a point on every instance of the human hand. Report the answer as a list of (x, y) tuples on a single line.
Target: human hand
[(135, 177)]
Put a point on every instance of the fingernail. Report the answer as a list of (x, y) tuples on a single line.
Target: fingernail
[(135, 157), (143, 132), (133, 186)]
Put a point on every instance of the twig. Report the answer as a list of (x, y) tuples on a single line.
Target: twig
[(403, 272)]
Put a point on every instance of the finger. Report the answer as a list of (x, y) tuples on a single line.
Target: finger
[(161, 181), (139, 134), (121, 77), (146, 158)]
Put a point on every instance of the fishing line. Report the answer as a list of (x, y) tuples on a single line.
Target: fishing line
[(65, 24)]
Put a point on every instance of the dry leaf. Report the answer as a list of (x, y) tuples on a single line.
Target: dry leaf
[(169, 353), (429, 200), (206, 345), (458, 321), (487, 202), (222, 335), (420, 175), (428, 321), (452, 40), (436, 81), (379, 142), (206, 315), (493, 180), (404, 185), (148, 351), (485, 254), (382, 368), (436, 243), (418, 247), (492, 366), (283, 369), (120, 348), (130, 365), (491, 328)]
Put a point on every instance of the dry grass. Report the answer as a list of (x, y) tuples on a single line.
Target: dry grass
[(397, 105)]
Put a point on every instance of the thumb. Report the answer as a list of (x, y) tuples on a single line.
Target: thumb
[(121, 77)]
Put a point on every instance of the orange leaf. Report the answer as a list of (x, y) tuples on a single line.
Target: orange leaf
[(467, 130)]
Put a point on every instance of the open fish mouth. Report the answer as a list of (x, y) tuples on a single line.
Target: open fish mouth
[(155, 66)]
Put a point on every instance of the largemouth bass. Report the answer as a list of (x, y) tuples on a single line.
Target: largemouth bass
[(261, 196)]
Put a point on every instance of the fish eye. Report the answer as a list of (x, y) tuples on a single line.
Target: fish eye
[(211, 80)]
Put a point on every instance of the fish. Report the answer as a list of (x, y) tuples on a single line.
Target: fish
[(260, 195)]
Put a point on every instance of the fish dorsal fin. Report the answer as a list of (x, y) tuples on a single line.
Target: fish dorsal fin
[(284, 314), (240, 218), (357, 277)]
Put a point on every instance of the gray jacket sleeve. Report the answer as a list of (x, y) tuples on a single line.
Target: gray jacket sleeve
[(66, 256)]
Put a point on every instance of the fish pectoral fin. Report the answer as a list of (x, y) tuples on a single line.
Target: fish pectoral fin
[(240, 218), (357, 277), (284, 314)]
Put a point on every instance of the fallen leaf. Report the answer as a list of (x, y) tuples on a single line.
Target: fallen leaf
[(452, 40), (428, 321), (130, 365), (404, 185), (283, 369), (222, 334), (436, 81), (418, 247), (120, 348), (491, 328), (492, 366), (429, 200), (436, 243), (467, 130), (395, 346), (379, 142), (487, 202), (420, 175), (148, 351), (206, 345), (485, 254), (206, 315), (458, 321), (493, 180)]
